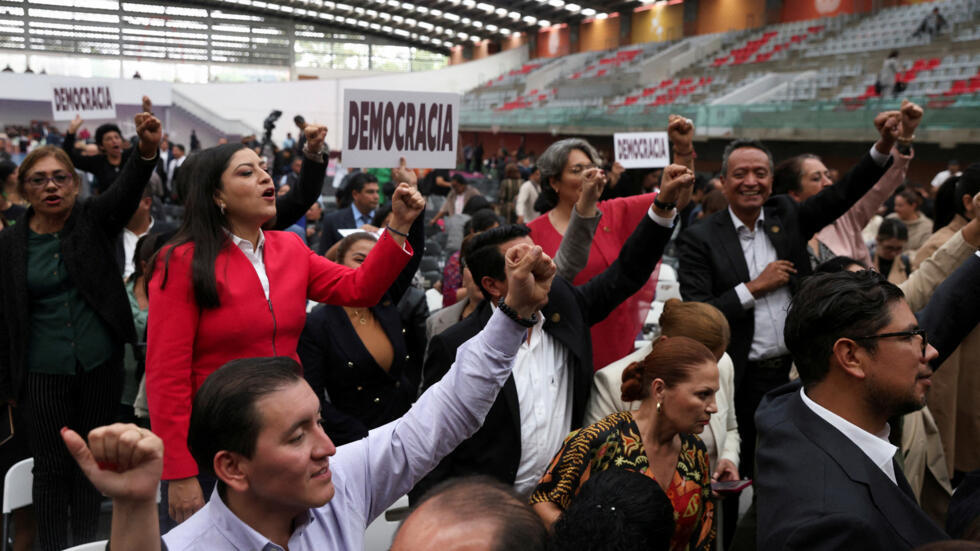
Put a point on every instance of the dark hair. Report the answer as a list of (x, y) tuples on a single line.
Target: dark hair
[(146, 247), (481, 220), (910, 197), (359, 180), (671, 360), (181, 147), (458, 178), (511, 171), (475, 204), (6, 169), (837, 264), (616, 509), (346, 243), (892, 228), (104, 129), (968, 184), (547, 199), (203, 222), (484, 499), (831, 306), (738, 144), (946, 204), (714, 201), (788, 175), (893, 53), (223, 414), (483, 256), (380, 214)]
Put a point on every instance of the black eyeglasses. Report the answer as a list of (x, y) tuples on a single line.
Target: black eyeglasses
[(907, 334)]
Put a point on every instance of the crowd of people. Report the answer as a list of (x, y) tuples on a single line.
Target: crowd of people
[(247, 339)]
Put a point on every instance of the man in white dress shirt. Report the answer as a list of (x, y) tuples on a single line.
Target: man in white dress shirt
[(746, 260)]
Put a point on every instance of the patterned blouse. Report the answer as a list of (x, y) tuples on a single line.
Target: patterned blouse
[(615, 442)]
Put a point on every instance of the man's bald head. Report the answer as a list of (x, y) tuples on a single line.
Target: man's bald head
[(471, 514)]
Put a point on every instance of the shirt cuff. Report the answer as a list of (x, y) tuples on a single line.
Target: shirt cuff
[(878, 156), (665, 222), (978, 254), (744, 296)]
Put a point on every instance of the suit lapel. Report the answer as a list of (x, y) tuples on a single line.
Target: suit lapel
[(896, 502), (731, 245), (777, 235)]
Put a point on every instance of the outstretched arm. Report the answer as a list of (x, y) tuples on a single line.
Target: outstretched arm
[(396, 456), (293, 205), (116, 205), (640, 253), (81, 162), (573, 253)]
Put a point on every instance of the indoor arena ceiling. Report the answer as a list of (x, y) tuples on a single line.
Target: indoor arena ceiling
[(430, 24)]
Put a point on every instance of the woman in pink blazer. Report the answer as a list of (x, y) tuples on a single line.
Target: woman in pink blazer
[(224, 289)]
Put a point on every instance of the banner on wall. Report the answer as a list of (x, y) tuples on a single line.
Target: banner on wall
[(642, 149), (91, 100), (380, 126)]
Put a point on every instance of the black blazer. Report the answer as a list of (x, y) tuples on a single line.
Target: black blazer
[(293, 205), (495, 449), (362, 394), (342, 219), (88, 248), (816, 489), (712, 263)]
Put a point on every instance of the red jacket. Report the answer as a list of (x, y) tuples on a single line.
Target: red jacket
[(186, 344), (613, 337)]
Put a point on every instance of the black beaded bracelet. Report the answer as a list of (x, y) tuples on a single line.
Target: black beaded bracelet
[(396, 232), (512, 314)]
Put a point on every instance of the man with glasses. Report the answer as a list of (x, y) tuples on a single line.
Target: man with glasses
[(827, 475)]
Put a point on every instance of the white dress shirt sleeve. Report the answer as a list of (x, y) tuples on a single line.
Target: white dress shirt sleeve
[(394, 457), (878, 156), (665, 222), (745, 296)]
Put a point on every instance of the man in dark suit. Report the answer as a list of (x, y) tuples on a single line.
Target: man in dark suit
[(547, 394), (745, 260), (827, 475), (364, 195)]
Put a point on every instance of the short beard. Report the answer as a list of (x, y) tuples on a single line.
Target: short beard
[(894, 405)]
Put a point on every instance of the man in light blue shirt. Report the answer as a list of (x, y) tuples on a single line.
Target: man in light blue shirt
[(282, 483), (364, 199)]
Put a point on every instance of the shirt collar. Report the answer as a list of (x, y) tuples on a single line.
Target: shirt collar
[(358, 216), (739, 224), (242, 536), (876, 446), (246, 245)]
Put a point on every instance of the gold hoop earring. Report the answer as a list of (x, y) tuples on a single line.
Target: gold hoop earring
[(658, 407)]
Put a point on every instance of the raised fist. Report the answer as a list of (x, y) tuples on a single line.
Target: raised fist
[(529, 275)]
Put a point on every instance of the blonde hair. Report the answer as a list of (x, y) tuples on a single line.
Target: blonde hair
[(696, 320)]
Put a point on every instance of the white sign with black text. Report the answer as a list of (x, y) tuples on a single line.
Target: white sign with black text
[(642, 149), (92, 100), (381, 126)]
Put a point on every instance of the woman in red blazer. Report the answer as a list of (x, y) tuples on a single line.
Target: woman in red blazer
[(563, 166), (224, 289)]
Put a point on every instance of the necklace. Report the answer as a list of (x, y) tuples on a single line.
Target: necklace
[(360, 315)]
